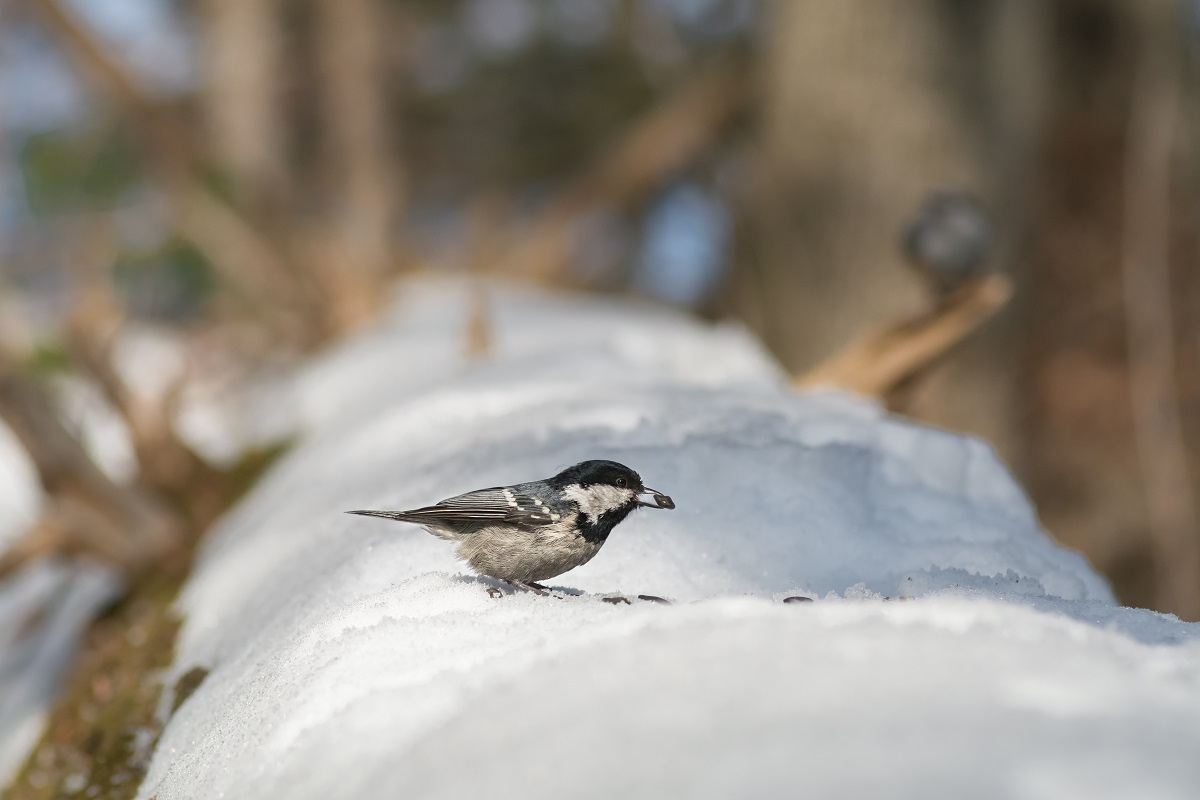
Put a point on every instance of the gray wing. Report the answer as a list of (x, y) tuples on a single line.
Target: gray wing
[(499, 505)]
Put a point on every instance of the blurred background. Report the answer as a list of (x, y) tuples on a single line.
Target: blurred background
[(245, 176)]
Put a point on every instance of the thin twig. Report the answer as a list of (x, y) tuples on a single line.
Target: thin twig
[(478, 332), (879, 361)]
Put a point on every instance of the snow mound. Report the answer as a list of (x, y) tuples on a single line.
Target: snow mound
[(356, 658)]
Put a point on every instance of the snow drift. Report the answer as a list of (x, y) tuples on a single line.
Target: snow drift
[(350, 657)]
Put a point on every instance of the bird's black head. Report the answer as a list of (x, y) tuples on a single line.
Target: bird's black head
[(604, 492), (586, 474)]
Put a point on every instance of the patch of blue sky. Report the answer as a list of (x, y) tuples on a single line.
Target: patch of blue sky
[(150, 36), (685, 246)]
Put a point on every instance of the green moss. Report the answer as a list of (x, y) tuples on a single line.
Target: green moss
[(172, 281), (81, 169), (48, 358)]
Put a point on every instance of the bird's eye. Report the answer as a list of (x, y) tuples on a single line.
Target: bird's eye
[(622, 483)]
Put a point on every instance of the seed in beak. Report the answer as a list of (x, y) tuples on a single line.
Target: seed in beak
[(660, 499)]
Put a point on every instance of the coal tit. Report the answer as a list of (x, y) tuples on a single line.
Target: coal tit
[(534, 531)]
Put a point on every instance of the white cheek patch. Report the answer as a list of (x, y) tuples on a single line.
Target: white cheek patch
[(598, 499)]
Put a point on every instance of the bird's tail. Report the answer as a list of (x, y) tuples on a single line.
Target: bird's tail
[(401, 516)]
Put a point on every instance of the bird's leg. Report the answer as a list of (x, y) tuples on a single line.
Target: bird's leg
[(531, 587)]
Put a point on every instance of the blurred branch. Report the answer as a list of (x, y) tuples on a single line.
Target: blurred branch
[(880, 361), (1149, 331), (100, 65), (478, 333), (134, 526), (658, 145), (90, 329), (167, 464), (244, 258), (177, 494), (120, 523), (247, 261)]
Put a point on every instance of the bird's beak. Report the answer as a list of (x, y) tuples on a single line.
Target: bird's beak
[(660, 499)]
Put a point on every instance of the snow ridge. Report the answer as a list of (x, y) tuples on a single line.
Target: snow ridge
[(356, 658)]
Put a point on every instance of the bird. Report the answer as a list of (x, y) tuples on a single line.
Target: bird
[(948, 241), (531, 532)]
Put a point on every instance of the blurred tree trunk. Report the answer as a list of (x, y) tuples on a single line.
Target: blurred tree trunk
[(1090, 397), (997, 60), (852, 137), (1147, 251), (243, 100), (361, 172), (866, 109)]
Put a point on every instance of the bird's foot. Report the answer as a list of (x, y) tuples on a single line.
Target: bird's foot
[(536, 588), (617, 600), (797, 599), (654, 599), (494, 592)]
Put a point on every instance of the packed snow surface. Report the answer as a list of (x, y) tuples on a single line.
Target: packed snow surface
[(952, 649)]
